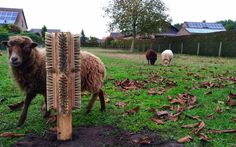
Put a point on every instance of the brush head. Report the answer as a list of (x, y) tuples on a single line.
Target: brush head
[(63, 71)]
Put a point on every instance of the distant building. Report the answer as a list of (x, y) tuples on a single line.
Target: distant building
[(38, 31), (116, 35), (189, 28), (170, 31), (13, 16)]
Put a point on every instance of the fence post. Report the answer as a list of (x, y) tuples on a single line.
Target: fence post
[(159, 48), (220, 47), (198, 48), (182, 48), (170, 46)]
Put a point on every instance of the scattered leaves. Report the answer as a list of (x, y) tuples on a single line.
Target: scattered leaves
[(134, 110), (152, 91), (120, 104), (140, 139), (203, 137), (158, 121), (11, 134), (222, 131), (52, 119), (185, 139)]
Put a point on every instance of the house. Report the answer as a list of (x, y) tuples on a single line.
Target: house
[(116, 35), (190, 28), (38, 31), (13, 16), (170, 31)]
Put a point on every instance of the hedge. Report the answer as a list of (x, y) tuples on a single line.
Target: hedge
[(212, 44)]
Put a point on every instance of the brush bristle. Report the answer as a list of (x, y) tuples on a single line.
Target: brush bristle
[(63, 94), (77, 101), (49, 68), (63, 52)]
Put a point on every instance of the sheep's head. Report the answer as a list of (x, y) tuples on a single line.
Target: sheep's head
[(166, 62), (153, 60), (19, 48)]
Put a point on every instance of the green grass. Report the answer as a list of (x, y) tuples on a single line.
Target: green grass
[(121, 65)]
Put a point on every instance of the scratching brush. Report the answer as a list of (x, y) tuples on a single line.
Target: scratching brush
[(63, 78)]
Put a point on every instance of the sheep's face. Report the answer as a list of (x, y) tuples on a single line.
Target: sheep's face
[(153, 60), (166, 62), (18, 52)]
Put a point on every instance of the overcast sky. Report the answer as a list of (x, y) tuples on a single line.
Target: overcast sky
[(75, 15)]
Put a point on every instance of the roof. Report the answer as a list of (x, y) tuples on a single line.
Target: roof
[(11, 15), (115, 35), (171, 31), (48, 30), (203, 27)]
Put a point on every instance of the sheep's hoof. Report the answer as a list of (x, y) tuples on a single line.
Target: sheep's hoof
[(46, 114), (19, 124), (102, 109)]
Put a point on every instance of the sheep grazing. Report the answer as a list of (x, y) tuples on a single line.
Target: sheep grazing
[(92, 77), (166, 57), (29, 71), (151, 56)]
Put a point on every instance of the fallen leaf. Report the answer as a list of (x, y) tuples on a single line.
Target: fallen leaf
[(210, 116), (16, 105), (11, 134), (208, 92), (120, 104), (152, 91), (203, 137), (107, 100), (151, 109), (200, 126), (185, 139), (232, 96), (219, 110), (140, 139), (161, 113), (222, 131), (231, 102), (190, 125), (134, 110), (52, 119), (169, 97), (158, 121)]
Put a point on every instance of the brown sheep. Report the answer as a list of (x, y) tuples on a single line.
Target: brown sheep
[(151, 56), (29, 71)]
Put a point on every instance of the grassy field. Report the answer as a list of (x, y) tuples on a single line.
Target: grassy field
[(207, 80)]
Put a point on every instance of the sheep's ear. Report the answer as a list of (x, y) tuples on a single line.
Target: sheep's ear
[(5, 43), (33, 45)]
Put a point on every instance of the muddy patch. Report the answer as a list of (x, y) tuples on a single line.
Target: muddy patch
[(98, 136)]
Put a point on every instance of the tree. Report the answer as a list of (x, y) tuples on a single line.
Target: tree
[(178, 25), (43, 31), (83, 37), (229, 24), (137, 17)]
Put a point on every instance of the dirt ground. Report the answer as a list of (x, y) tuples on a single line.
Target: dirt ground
[(99, 136)]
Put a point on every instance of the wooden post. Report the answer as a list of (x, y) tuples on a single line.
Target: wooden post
[(220, 47), (63, 79), (182, 48), (198, 48)]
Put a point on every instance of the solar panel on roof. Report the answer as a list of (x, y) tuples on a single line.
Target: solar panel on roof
[(8, 17)]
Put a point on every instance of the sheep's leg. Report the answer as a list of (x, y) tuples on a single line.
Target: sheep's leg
[(27, 102), (46, 113), (102, 100), (91, 102)]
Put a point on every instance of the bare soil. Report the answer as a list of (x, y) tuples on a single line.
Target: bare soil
[(98, 136)]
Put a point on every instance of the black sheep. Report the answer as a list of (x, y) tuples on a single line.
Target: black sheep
[(151, 56)]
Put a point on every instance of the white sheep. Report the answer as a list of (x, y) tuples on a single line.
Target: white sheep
[(166, 57)]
